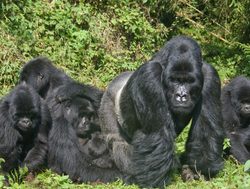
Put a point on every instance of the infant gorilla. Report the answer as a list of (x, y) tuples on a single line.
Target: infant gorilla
[(81, 114), (76, 126), (236, 116)]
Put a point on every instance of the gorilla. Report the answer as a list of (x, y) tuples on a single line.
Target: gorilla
[(74, 109), (25, 123), (86, 102), (75, 147), (235, 100), (46, 79), (43, 76), (142, 113)]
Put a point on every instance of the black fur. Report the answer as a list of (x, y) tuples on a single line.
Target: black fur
[(142, 112), (24, 126), (74, 146), (43, 76), (73, 107), (236, 116)]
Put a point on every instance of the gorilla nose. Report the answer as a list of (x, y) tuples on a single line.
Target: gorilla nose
[(26, 122), (181, 97)]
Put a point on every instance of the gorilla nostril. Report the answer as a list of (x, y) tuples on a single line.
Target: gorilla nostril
[(184, 98), (178, 97), (184, 95)]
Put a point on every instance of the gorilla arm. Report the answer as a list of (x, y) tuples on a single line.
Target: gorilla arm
[(148, 126), (37, 156), (205, 140), (9, 137)]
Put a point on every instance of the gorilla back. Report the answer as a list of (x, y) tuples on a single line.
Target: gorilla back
[(142, 112)]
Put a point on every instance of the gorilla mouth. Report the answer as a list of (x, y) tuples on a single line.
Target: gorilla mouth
[(182, 106), (182, 109), (25, 129), (245, 114)]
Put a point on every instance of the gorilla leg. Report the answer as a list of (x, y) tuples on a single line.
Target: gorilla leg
[(118, 147)]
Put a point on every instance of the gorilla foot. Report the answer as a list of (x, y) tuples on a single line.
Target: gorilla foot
[(187, 174)]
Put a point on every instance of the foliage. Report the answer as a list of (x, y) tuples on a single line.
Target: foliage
[(231, 177), (247, 166), (89, 45), (94, 40)]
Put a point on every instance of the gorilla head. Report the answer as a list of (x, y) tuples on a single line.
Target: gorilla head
[(79, 104), (42, 75), (237, 94), (241, 94), (24, 109), (182, 74), (81, 114)]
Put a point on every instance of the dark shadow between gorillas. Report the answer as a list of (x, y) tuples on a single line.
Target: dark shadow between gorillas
[(142, 113)]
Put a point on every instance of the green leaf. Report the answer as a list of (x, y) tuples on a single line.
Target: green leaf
[(247, 166)]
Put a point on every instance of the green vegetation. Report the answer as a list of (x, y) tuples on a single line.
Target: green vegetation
[(94, 40)]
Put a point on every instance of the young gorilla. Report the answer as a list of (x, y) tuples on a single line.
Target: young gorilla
[(43, 76), (142, 112), (85, 156), (24, 126), (236, 116), (71, 129), (46, 78)]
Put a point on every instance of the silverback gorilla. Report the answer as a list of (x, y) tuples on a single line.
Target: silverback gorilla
[(24, 126), (142, 112), (73, 108), (235, 100)]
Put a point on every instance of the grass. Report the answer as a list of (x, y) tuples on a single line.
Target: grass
[(231, 177)]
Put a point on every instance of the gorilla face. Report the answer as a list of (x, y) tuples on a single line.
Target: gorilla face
[(183, 84), (182, 76), (243, 104), (79, 110), (37, 74), (245, 108), (23, 123), (81, 114), (24, 111)]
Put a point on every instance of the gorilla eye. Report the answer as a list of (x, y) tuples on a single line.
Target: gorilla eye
[(33, 115), (173, 79), (190, 80)]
